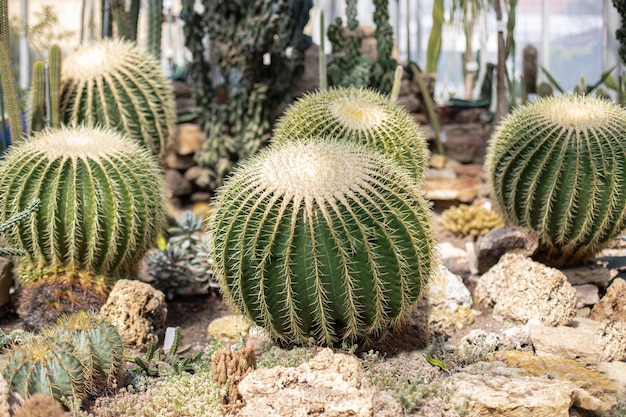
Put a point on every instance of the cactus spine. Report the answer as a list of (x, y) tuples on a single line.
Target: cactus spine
[(44, 102), (115, 84), (79, 356), (102, 200), (322, 239), (556, 166), (359, 115)]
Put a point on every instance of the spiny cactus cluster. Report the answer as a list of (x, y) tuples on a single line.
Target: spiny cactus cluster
[(322, 239), (230, 367), (359, 115), (113, 83), (80, 356), (102, 201), (557, 166), (473, 220), (182, 267)]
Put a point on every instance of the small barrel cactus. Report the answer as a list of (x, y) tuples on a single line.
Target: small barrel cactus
[(359, 115), (322, 240), (556, 166), (77, 357), (113, 83), (102, 201)]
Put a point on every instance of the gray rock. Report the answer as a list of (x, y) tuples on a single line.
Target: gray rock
[(587, 295), (588, 274), (6, 282), (501, 240), (177, 185), (10, 401), (520, 289)]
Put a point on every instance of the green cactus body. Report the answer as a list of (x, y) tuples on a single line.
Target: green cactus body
[(358, 115), (557, 166), (321, 239), (115, 84), (80, 355), (40, 365), (37, 98), (97, 345), (102, 201)]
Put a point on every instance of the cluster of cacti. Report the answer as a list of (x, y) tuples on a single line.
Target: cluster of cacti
[(348, 67), (181, 267), (239, 105), (102, 200), (357, 115), (229, 367), (557, 166), (472, 220), (79, 356), (44, 100), (620, 33), (322, 240), (114, 83)]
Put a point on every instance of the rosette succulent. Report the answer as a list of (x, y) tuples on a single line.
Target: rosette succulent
[(558, 166), (322, 240)]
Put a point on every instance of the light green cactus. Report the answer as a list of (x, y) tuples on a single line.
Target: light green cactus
[(113, 83), (102, 201), (361, 116), (322, 239), (557, 166), (79, 356)]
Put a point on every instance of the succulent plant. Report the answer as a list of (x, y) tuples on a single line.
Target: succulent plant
[(321, 239), (470, 220), (557, 166), (358, 115), (102, 201), (182, 267), (113, 83), (69, 359)]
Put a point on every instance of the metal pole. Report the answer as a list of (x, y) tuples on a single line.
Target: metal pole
[(24, 50)]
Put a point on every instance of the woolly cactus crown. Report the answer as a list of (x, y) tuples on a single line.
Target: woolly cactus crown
[(322, 239), (558, 166), (102, 199), (359, 115), (114, 83)]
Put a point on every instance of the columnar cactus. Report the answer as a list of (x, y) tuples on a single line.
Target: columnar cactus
[(359, 115), (102, 201), (322, 240), (77, 357), (113, 83), (557, 166)]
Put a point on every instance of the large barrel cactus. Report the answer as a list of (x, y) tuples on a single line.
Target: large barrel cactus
[(102, 201), (80, 356), (322, 240), (358, 115), (557, 166), (114, 83)]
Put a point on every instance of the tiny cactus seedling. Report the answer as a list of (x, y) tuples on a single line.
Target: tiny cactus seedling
[(359, 115), (557, 166), (113, 83), (322, 239), (102, 201)]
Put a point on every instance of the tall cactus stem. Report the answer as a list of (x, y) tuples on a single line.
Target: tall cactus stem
[(54, 85), (37, 99), (155, 27), (10, 98), (397, 80), (322, 57)]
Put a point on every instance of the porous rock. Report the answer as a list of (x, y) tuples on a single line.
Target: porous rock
[(10, 401), (520, 289), (520, 384), (613, 304), (138, 311), (579, 341), (6, 282), (231, 327), (330, 384), (450, 302)]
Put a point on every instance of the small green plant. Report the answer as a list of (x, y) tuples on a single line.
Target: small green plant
[(322, 239), (358, 115), (79, 356), (115, 84), (183, 266), (556, 166)]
